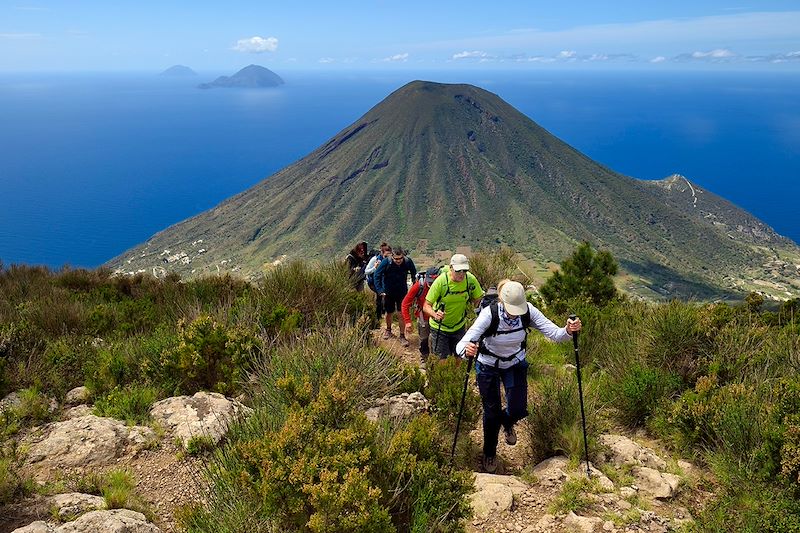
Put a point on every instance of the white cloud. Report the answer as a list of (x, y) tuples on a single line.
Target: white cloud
[(658, 59), (475, 54), (401, 58), (326, 60), (256, 45), (748, 33), (567, 54), (719, 53)]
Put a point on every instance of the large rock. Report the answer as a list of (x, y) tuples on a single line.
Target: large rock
[(585, 524), (206, 414), (36, 527), (73, 504), (495, 494), (624, 451), (653, 482), (115, 521), (552, 472), (401, 406), (76, 396), (85, 441)]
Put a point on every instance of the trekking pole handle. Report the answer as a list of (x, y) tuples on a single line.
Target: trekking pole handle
[(573, 316)]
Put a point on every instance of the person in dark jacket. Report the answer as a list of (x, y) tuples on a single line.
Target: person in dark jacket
[(391, 282), (357, 262)]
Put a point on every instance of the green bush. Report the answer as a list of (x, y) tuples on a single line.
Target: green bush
[(586, 275), (492, 266), (445, 389), (641, 390), (209, 356), (676, 340), (119, 492), (329, 469), (554, 423), (130, 403)]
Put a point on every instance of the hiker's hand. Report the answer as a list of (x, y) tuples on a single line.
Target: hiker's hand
[(471, 349), (438, 316), (573, 325), (408, 329)]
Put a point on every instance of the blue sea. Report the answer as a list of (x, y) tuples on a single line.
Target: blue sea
[(92, 164)]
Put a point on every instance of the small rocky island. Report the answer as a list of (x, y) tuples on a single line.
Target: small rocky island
[(179, 71), (252, 76)]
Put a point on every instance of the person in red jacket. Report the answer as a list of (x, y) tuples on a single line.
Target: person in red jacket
[(416, 297)]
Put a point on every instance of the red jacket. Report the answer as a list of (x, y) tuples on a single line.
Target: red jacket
[(412, 295)]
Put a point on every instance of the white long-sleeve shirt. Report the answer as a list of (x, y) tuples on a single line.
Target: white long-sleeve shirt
[(508, 345)]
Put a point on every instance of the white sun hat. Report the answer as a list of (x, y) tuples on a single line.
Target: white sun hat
[(512, 294)]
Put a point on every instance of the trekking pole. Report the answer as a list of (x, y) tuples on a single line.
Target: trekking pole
[(461, 408), (580, 395)]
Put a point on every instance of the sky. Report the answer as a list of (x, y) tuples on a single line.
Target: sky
[(145, 35)]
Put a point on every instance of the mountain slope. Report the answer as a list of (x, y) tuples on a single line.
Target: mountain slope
[(456, 165)]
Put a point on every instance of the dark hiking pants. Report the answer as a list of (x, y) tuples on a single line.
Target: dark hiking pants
[(515, 383)]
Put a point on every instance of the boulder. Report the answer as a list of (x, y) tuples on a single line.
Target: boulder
[(582, 523), (85, 441), (494, 494), (73, 504), (36, 527), (10, 401), (114, 521), (655, 483), (624, 451), (77, 396), (401, 406), (76, 412), (206, 414), (552, 472)]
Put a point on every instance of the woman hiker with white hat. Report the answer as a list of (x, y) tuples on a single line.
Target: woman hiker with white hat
[(498, 338)]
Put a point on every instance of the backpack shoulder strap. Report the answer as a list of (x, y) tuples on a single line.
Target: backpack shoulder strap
[(491, 331), (526, 319)]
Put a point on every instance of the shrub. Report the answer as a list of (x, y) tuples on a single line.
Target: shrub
[(130, 403), (445, 388), (554, 423), (574, 496), (209, 355), (199, 444), (491, 266), (676, 340), (328, 469), (586, 275), (119, 492), (641, 390)]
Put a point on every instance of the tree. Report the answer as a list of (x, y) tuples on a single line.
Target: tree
[(586, 275)]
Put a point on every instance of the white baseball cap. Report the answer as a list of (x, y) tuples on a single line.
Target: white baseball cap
[(459, 262), (512, 294)]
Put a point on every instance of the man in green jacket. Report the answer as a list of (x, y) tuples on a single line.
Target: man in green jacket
[(447, 303)]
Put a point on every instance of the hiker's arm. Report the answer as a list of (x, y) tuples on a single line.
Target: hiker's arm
[(547, 327), (372, 265), (430, 313), (469, 342), (408, 301), (379, 272)]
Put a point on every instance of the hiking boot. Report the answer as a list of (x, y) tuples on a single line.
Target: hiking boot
[(511, 436), (403, 342), (490, 464), (387, 334)]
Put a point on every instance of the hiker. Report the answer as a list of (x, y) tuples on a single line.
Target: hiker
[(498, 339), (357, 262), (446, 305), (372, 265), (416, 297), (391, 284)]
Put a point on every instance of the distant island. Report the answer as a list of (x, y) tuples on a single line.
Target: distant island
[(178, 70), (252, 76)]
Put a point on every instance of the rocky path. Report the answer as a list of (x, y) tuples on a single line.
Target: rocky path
[(647, 497)]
